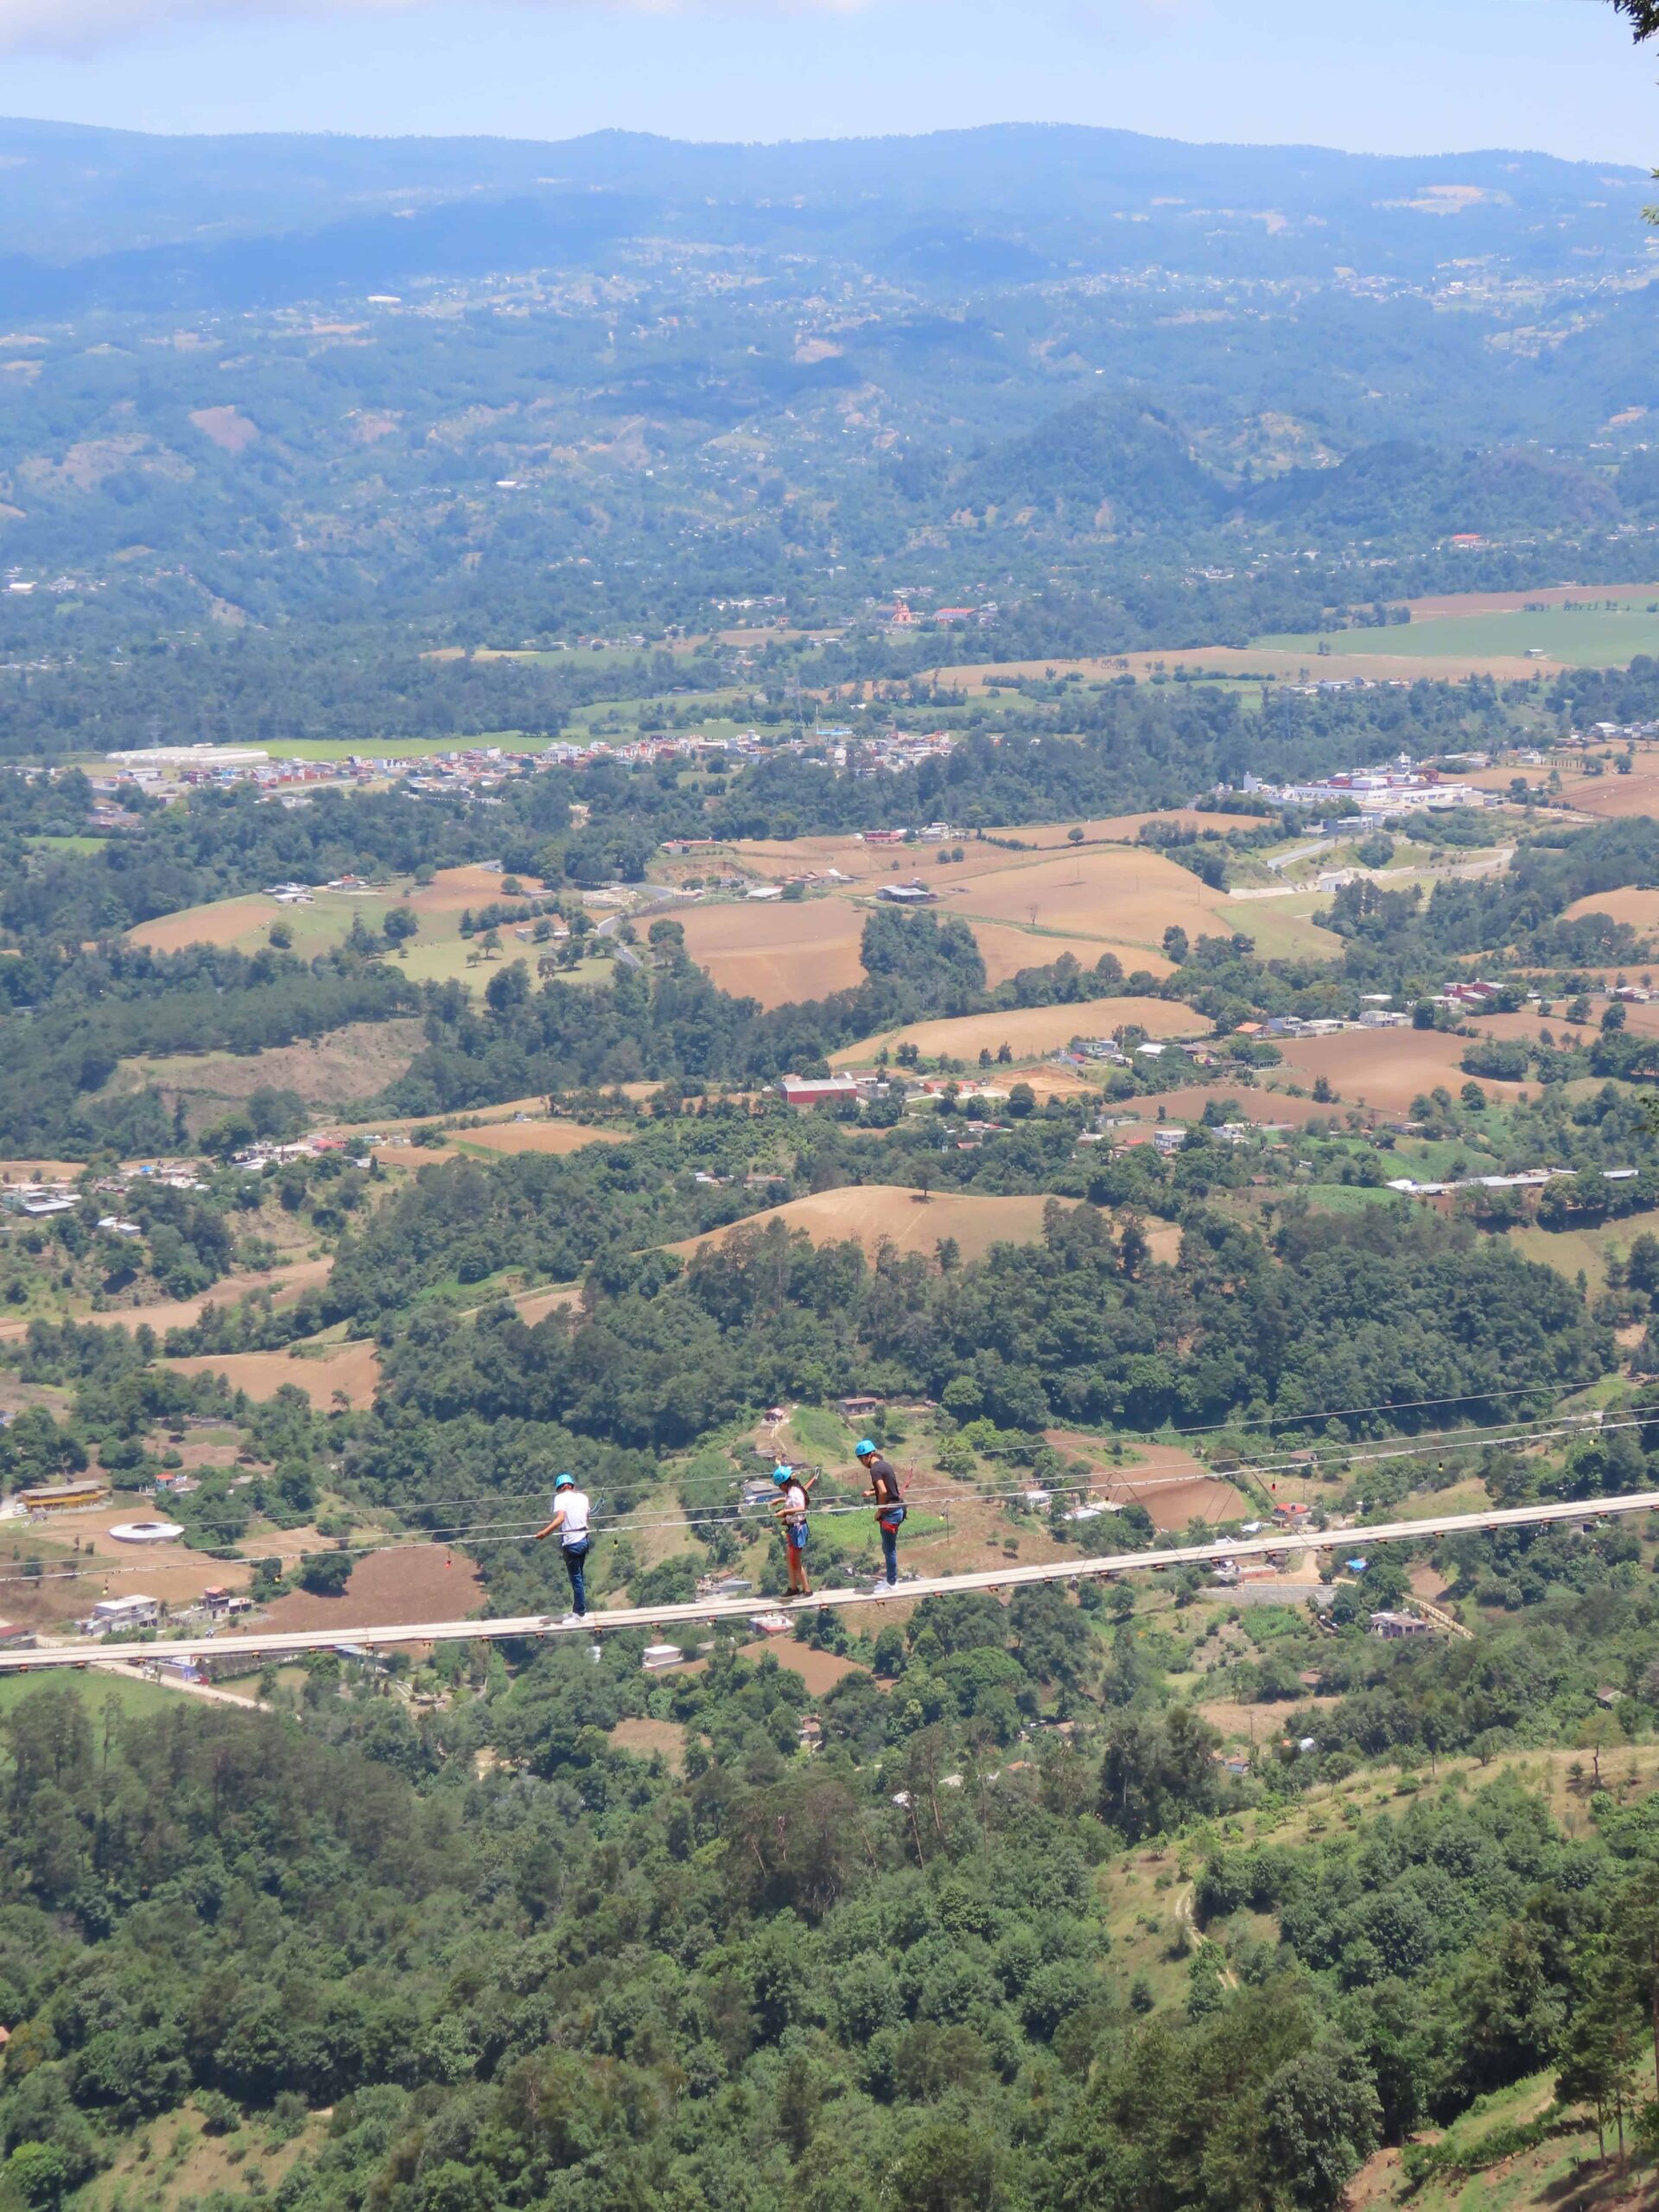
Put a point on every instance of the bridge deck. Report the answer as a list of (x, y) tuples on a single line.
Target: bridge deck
[(273, 1643)]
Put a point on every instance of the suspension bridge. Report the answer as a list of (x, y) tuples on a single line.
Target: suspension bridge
[(1282, 1544)]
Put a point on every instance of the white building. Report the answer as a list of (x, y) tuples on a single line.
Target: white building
[(191, 756), (110, 1614)]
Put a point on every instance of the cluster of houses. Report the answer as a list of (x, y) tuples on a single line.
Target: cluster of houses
[(172, 771), (1610, 733), (124, 1615), (892, 752), (933, 833), (475, 770), (267, 1152), (1402, 787), (37, 1199), (1377, 1013), (901, 615)]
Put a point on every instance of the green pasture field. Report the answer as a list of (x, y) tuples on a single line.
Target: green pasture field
[(458, 960), (78, 844), (444, 959), (1467, 1494), (1567, 1250), (314, 929), (1286, 929), (1580, 636), (138, 1700), (397, 748), (437, 954), (1346, 1198), (1246, 689), (320, 927)]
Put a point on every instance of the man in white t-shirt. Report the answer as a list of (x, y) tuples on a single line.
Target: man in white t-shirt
[(572, 1512)]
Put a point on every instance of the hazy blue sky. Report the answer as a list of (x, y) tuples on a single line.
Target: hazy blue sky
[(1412, 76)]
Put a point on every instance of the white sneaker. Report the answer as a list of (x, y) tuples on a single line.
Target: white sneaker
[(882, 1588), (572, 1620)]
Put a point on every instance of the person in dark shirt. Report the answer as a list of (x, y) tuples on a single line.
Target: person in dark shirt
[(888, 1500)]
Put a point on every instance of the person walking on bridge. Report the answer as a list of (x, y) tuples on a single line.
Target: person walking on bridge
[(792, 1510), (884, 1490), (572, 1515)]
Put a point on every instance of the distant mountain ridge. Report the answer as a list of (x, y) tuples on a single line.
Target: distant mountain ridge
[(992, 205)]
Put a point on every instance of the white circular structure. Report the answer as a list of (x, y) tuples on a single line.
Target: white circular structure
[(147, 1532)]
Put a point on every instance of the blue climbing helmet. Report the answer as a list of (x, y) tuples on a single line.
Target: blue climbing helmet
[(863, 1449), (781, 1475), (564, 1482)]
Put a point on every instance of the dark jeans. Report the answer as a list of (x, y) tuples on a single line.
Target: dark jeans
[(575, 1558), (890, 1552)]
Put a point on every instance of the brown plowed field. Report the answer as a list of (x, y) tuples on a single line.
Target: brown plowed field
[(1124, 829), (287, 1281), (1172, 1504), (1614, 797), (1449, 605), (453, 889), (869, 1212), (1187, 1104), (779, 950), (354, 1369), (387, 1589), (1639, 908), (535, 1304), (557, 1137), (1386, 1068), (1029, 1031), (782, 952), (220, 923), (819, 1670), (1116, 893), (1173, 1486), (1232, 664), (1006, 950), (867, 865), (663, 1738)]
